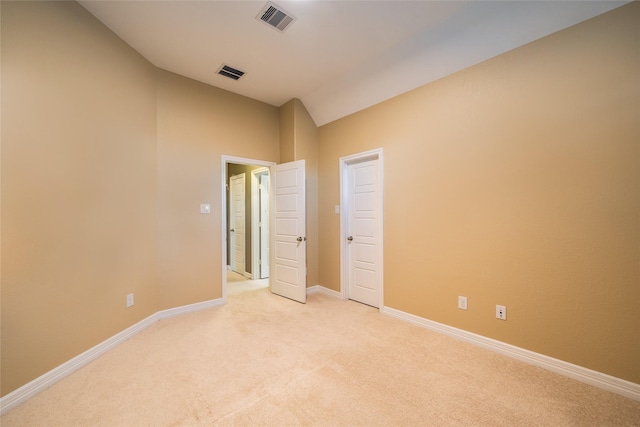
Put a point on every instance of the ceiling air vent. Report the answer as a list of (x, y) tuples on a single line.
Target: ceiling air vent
[(275, 16), (230, 72)]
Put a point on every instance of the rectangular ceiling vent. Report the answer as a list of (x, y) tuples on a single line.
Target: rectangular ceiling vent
[(230, 72), (275, 16)]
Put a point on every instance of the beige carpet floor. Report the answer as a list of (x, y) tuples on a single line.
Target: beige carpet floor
[(263, 360)]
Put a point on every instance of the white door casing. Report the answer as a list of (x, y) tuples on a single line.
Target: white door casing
[(361, 224), (237, 223), (288, 231)]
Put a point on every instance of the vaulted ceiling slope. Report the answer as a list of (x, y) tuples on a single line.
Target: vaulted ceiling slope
[(338, 57)]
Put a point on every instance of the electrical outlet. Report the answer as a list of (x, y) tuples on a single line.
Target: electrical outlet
[(462, 303), (501, 312), (129, 300)]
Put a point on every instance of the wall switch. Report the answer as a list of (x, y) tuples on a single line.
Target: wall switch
[(501, 312), (462, 303), (129, 300), (337, 209), (205, 208)]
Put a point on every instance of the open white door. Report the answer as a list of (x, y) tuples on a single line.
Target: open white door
[(288, 231)]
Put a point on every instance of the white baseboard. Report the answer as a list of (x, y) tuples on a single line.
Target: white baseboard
[(585, 375), (48, 379), (191, 308), (326, 291)]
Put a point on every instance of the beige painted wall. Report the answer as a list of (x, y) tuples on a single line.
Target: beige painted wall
[(515, 182), (299, 141), (197, 124), (78, 186), (105, 162), (287, 132)]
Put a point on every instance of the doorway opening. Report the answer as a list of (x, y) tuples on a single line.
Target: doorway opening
[(245, 225)]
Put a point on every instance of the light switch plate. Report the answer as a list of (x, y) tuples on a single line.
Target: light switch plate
[(337, 209)]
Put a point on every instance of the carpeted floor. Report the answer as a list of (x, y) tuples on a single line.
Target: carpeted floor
[(237, 284), (263, 360)]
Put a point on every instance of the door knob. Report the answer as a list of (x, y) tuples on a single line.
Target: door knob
[(299, 239), (232, 230), (350, 238)]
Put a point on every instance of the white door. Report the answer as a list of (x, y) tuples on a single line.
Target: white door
[(264, 225), (237, 223), (363, 229), (288, 231)]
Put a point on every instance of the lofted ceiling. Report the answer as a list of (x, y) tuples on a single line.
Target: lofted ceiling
[(337, 57)]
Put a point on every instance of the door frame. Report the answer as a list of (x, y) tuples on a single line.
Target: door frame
[(225, 160), (345, 162), (255, 218)]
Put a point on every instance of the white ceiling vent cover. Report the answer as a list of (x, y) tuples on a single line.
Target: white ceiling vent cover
[(275, 16)]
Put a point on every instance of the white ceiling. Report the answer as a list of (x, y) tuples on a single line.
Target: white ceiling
[(338, 57)]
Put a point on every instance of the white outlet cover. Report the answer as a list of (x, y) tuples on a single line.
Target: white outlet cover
[(205, 208), (501, 312), (462, 303)]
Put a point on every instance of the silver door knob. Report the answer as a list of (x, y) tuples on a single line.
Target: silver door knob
[(299, 239), (350, 238)]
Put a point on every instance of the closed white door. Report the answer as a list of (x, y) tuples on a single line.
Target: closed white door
[(363, 249), (264, 225), (288, 231), (237, 223)]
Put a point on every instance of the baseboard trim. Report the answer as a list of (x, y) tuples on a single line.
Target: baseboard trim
[(191, 308), (607, 382), (48, 379), (322, 290)]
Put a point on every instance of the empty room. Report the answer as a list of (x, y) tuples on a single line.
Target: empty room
[(320, 213)]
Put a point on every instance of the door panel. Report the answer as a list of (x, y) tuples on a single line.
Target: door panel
[(237, 223), (288, 231), (363, 224)]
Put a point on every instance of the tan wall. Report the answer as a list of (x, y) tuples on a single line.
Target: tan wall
[(515, 182), (197, 124), (78, 186), (287, 132), (105, 163), (299, 141)]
